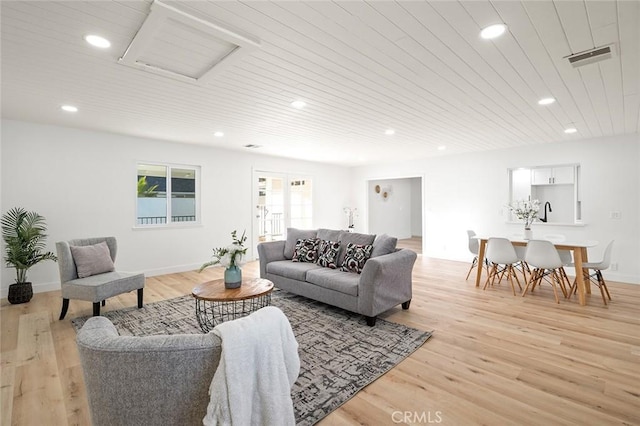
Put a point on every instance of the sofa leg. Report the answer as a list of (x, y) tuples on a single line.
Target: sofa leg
[(371, 321), (140, 292), (65, 306), (104, 303), (406, 304), (96, 309)]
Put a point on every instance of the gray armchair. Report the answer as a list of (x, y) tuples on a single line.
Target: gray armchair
[(93, 287), (150, 380)]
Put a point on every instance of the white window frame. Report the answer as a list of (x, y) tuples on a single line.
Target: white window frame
[(169, 222)]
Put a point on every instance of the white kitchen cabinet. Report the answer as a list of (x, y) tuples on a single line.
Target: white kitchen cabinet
[(561, 175)]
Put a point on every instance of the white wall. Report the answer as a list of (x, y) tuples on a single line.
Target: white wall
[(391, 215), (83, 183), (470, 191)]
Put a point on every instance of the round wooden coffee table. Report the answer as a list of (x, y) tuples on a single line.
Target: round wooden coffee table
[(216, 304)]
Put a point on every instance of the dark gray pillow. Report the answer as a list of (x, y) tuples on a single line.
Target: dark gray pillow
[(354, 238), (293, 235), (384, 244), (92, 260)]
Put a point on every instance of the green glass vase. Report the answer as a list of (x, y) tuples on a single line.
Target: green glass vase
[(232, 277)]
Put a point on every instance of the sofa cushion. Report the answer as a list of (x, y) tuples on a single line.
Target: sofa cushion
[(306, 250), (334, 279), (293, 235), (328, 254), (92, 260), (356, 256), (384, 244), (289, 269), (329, 234), (355, 238)]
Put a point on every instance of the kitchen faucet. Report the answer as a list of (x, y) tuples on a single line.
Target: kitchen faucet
[(547, 204)]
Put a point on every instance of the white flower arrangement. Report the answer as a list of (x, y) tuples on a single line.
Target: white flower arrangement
[(229, 256), (526, 210), (351, 213)]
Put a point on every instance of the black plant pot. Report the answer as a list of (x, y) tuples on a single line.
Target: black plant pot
[(20, 293)]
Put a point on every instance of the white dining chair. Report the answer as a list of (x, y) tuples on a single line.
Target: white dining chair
[(474, 248), (596, 277), (565, 255), (544, 258), (500, 252), (520, 252)]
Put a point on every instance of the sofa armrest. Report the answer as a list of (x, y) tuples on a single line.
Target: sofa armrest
[(270, 252), (385, 282)]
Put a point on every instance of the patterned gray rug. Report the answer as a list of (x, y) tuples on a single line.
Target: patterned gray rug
[(339, 353)]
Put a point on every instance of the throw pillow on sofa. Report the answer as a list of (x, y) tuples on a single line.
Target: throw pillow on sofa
[(293, 235), (306, 250), (328, 254), (384, 244), (356, 255), (355, 238)]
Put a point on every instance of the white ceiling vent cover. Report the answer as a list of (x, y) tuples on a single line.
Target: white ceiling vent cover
[(591, 56), (176, 44)]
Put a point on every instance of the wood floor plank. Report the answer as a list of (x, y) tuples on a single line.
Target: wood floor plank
[(493, 358)]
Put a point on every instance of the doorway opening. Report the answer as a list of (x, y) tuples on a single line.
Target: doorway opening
[(395, 207)]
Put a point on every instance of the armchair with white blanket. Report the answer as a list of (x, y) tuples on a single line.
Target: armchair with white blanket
[(164, 379)]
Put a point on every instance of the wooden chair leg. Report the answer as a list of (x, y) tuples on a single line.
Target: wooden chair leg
[(473, 264), (600, 286), (532, 279), (510, 275), (603, 283), (554, 279), (492, 275)]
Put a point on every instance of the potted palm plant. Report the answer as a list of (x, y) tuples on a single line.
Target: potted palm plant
[(24, 237)]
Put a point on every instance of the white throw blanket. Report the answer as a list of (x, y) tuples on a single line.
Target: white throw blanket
[(258, 365)]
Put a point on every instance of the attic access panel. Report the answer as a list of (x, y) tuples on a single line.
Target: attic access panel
[(185, 47)]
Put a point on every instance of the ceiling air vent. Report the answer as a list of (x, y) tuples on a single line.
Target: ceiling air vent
[(180, 45), (591, 56)]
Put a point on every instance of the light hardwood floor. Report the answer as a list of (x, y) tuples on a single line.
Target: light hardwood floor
[(493, 359)]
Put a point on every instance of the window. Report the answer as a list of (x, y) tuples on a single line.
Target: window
[(167, 194)]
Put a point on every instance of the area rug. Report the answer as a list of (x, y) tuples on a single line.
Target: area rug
[(339, 353)]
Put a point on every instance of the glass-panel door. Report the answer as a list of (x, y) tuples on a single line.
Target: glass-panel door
[(270, 208), (301, 203), (280, 201)]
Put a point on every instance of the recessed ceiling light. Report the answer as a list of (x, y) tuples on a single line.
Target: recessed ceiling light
[(97, 41), (570, 130), (546, 101), (442, 148), (218, 134), (389, 132), (298, 104), (493, 31), (69, 108)]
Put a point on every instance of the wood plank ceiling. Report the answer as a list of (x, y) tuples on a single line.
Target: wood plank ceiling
[(417, 67)]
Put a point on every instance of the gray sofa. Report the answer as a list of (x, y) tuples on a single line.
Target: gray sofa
[(384, 281), (151, 380)]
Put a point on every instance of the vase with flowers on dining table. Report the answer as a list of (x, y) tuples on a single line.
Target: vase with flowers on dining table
[(526, 210)]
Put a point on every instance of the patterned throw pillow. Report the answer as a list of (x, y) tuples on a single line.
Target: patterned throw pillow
[(328, 254), (306, 250), (356, 256)]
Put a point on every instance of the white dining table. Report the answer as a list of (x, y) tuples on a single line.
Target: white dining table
[(579, 249)]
